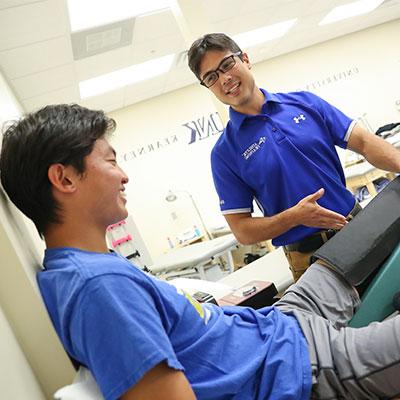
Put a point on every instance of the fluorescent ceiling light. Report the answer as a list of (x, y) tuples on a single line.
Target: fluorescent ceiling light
[(126, 76), (350, 10), (84, 14), (264, 34)]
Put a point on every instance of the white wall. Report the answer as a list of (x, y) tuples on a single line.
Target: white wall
[(17, 380), (25, 312), (32, 362), (371, 87)]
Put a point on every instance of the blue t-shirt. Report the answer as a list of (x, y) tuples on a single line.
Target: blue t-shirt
[(121, 322), (281, 156)]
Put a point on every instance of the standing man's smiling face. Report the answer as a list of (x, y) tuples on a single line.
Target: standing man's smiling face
[(235, 87)]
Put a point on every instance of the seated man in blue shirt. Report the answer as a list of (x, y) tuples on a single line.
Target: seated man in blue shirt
[(142, 338), (279, 150)]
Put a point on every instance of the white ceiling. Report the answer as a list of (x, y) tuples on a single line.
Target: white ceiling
[(37, 59)]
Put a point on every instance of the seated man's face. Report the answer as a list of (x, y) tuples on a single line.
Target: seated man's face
[(101, 188)]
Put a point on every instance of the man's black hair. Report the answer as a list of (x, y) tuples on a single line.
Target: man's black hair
[(211, 41), (60, 133)]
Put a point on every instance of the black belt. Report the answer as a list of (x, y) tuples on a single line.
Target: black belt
[(316, 240)]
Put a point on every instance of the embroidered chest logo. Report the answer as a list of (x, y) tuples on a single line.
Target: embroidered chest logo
[(301, 117), (254, 147)]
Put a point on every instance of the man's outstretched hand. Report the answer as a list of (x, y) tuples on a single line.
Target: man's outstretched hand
[(309, 213)]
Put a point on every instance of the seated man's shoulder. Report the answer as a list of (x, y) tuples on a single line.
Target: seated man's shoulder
[(87, 265)]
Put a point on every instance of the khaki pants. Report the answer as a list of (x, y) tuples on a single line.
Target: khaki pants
[(298, 262)]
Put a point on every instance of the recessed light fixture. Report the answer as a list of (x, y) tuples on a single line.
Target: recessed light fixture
[(350, 10), (126, 76), (90, 13), (264, 34)]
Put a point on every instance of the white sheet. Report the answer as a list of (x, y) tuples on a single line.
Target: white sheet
[(83, 388)]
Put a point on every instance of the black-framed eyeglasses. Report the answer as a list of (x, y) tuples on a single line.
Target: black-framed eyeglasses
[(225, 65)]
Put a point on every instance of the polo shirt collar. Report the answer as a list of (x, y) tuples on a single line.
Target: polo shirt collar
[(237, 118)]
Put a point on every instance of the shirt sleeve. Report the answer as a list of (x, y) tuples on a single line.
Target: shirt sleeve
[(117, 329), (235, 196), (339, 124)]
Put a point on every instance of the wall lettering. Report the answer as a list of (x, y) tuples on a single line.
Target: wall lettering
[(204, 127), (199, 129), (149, 148), (329, 80)]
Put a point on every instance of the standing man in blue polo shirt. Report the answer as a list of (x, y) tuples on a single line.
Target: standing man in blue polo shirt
[(279, 150)]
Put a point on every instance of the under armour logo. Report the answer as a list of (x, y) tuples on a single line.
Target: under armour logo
[(299, 118)]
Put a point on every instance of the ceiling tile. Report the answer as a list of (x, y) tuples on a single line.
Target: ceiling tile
[(179, 77), (253, 21), (175, 85), (109, 107), (106, 101), (155, 48), (260, 52), (141, 90), (37, 57), (66, 95), (103, 63), (152, 26), (385, 14), (14, 3), (137, 97), (222, 26), (46, 81), (261, 6), (222, 10), (32, 23)]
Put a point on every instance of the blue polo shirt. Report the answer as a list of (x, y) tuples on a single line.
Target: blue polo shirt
[(282, 155)]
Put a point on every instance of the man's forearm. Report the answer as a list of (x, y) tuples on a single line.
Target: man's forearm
[(307, 212), (376, 150), (250, 230), (382, 155)]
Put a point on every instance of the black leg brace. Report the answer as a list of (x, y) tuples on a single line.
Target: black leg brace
[(361, 247)]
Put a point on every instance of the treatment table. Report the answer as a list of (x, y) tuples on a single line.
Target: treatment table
[(194, 258)]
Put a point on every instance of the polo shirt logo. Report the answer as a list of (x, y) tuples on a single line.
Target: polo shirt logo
[(299, 118), (254, 147)]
